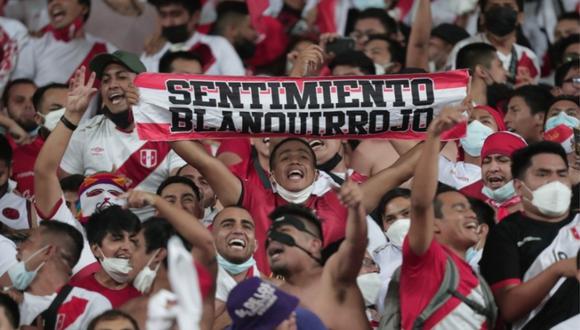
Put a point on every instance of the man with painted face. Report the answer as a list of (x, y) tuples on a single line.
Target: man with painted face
[(529, 258), (45, 262), (179, 19), (500, 19), (109, 142), (64, 47), (329, 289), (496, 186), (293, 175)]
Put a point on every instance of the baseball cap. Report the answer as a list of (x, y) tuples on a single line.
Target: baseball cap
[(449, 33), (126, 59)]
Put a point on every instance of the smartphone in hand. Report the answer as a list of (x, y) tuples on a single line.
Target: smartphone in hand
[(340, 45)]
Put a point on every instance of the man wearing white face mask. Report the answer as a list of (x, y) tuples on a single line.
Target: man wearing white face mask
[(387, 54), (529, 259)]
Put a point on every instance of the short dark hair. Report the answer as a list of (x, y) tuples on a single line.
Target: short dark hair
[(356, 59), (536, 97), (179, 179), (39, 93), (522, 158), (571, 15), (12, 83), (389, 196), (168, 58), (301, 212), (485, 213), (114, 220), (563, 70), (277, 146), (437, 204), (112, 314), (190, 5), (474, 54), (72, 182), (68, 237), (157, 232), (5, 151), (557, 51), (88, 4), (573, 99), (10, 310), (520, 4), (386, 20), (397, 51), (228, 11)]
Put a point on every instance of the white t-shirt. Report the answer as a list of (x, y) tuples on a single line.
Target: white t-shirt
[(458, 174), (222, 58), (46, 60), (13, 37), (76, 312), (8, 255), (15, 211)]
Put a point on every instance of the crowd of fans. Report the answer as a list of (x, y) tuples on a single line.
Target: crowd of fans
[(102, 230)]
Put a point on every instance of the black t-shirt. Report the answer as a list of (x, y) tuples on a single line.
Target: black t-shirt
[(511, 248)]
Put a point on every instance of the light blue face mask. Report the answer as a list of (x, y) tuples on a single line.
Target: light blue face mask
[(235, 269), (502, 193), (364, 4), (20, 277), (562, 119), (474, 138), (470, 254)]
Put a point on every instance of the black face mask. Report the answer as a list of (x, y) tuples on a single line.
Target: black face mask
[(501, 20), (246, 49), (176, 34), (497, 93), (330, 164), (122, 120)]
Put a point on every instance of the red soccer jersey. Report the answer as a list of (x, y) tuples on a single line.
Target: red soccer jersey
[(116, 297), (24, 157)]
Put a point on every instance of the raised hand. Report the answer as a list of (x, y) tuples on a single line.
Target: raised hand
[(351, 196), (138, 199), (132, 94), (307, 62), (19, 134), (447, 118), (79, 95)]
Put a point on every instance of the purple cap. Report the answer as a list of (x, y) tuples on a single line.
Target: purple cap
[(258, 305)]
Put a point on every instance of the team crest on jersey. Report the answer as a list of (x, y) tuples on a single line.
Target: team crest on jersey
[(148, 158), (10, 213)]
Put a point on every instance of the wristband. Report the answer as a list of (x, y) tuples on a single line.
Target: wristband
[(68, 124)]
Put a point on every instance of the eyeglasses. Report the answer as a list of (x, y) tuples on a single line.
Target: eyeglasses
[(574, 81)]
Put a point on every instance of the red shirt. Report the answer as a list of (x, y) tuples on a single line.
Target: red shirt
[(421, 277), (24, 157), (116, 297)]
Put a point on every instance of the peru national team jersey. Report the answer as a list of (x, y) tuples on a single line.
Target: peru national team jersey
[(421, 277), (218, 56), (75, 313), (99, 146), (116, 297), (23, 166), (15, 211)]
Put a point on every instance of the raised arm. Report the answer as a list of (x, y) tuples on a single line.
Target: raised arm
[(225, 184), (425, 180), (418, 47), (46, 182), (345, 264)]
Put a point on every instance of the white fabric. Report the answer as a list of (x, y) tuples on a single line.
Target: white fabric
[(458, 174), (32, 13), (18, 38), (161, 311), (46, 60), (569, 324), (94, 304), (463, 317), (8, 255), (225, 283), (227, 61), (474, 262), (11, 202), (388, 259)]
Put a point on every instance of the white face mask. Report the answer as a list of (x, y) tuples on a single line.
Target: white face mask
[(397, 231), (117, 268), (552, 199), (502, 193), (382, 68), (99, 195), (146, 276), (472, 142), (369, 285), (52, 118), (297, 197)]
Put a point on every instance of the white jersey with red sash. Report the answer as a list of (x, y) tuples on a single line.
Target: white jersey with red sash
[(15, 211), (565, 245), (218, 56), (47, 60), (13, 37), (225, 282)]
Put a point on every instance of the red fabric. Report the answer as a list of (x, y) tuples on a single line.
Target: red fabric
[(24, 157), (526, 64), (116, 297), (66, 33), (98, 48), (256, 9), (474, 191), (205, 54), (70, 311), (559, 134), (274, 44), (498, 118), (205, 279), (502, 284), (501, 209), (325, 19), (240, 147), (417, 289), (261, 202), (503, 143), (143, 162)]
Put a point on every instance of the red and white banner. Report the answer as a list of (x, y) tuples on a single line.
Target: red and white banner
[(184, 107)]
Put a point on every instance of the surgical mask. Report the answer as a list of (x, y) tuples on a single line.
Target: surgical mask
[(365, 4), (501, 20), (52, 118), (383, 68), (397, 231), (297, 197), (146, 276), (562, 119), (369, 285), (20, 277), (470, 254), (552, 199), (117, 268), (176, 34), (500, 194), (473, 140), (235, 269)]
